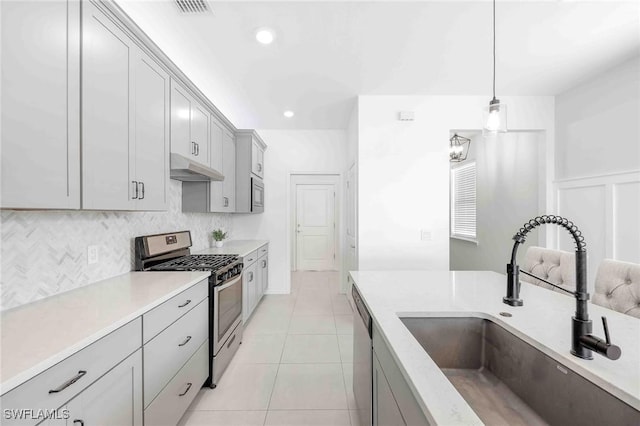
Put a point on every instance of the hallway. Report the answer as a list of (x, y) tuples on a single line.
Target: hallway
[(294, 366)]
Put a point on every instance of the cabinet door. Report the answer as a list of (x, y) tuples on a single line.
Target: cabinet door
[(151, 99), (106, 114), (181, 121), (40, 99), (385, 408), (254, 159), (216, 156), (264, 265), (260, 161), (115, 399), (229, 171), (249, 278), (200, 132)]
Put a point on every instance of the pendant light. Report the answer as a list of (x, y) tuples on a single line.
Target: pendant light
[(458, 148), (495, 115)]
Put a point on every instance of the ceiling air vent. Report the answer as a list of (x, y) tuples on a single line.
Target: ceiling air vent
[(193, 6)]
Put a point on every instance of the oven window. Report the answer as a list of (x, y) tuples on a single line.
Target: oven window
[(229, 307)]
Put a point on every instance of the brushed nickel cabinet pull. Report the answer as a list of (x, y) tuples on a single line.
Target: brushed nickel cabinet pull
[(142, 191), (185, 303), (69, 382), (135, 186), (185, 341), (186, 390)]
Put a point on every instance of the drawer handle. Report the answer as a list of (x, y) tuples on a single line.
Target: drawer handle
[(231, 341), (185, 303), (185, 341), (69, 382), (79, 421), (186, 390)]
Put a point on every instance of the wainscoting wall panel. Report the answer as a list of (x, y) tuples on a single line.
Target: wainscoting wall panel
[(607, 210), (45, 252)]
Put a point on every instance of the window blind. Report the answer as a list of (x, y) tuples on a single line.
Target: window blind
[(463, 201)]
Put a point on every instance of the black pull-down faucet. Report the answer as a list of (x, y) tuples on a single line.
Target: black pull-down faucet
[(582, 341)]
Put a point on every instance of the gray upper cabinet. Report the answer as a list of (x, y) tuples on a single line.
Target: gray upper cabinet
[(124, 122), (257, 158), (152, 133), (250, 168), (215, 196), (106, 114), (40, 104), (189, 125), (216, 162), (229, 171)]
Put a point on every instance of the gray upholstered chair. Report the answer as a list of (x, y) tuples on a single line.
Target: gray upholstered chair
[(618, 287), (556, 266)]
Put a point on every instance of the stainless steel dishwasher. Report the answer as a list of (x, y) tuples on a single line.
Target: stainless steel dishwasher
[(362, 360)]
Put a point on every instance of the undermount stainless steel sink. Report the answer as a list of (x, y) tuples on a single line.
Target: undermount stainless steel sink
[(506, 381)]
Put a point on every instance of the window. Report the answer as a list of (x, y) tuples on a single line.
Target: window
[(463, 202)]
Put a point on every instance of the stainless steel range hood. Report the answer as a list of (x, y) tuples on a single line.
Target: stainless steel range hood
[(186, 170)]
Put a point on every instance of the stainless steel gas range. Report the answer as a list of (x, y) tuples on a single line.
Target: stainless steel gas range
[(171, 252)]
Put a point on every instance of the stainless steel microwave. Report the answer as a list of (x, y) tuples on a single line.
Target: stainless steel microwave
[(257, 195)]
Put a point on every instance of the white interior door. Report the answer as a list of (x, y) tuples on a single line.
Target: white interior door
[(315, 227)]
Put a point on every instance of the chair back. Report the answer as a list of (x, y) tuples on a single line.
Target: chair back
[(556, 266), (618, 287)]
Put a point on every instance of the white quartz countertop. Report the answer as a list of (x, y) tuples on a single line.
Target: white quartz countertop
[(38, 335), (544, 322), (239, 247)]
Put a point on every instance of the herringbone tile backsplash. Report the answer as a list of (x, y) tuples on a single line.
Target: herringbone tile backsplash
[(45, 252)]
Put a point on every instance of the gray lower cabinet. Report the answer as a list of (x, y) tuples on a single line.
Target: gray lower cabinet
[(255, 280), (125, 109), (385, 407), (175, 398), (263, 264), (115, 399), (249, 290), (40, 96), (100, 384), (393, 400)]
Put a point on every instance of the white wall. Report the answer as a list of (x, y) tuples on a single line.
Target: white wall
[(507, 168), (598, 164), (404, 172), (598, 124), (288, 151)]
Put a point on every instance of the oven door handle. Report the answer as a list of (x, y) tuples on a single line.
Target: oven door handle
[(229, 284)]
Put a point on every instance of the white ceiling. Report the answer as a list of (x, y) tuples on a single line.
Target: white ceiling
[(328, 52)]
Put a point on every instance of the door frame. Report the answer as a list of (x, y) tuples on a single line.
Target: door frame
[(314, 178)]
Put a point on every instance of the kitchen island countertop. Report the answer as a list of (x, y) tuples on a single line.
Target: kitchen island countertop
[(544, 322), (38, 335)]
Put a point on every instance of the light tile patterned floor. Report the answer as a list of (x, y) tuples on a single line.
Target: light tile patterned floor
[(294, 364)]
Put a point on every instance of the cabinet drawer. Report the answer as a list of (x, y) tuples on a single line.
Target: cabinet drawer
[(173, 401), (263, 250), (166, 353), (72, 375), (164, 315), (250, 258)]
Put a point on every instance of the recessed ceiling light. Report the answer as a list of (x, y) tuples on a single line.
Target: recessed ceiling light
[(289, 114), (265, 35)]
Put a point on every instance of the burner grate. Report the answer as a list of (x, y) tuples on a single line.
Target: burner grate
[(197, 262)]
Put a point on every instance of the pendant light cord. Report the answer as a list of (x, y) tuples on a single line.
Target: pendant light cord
[(494, 49)]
